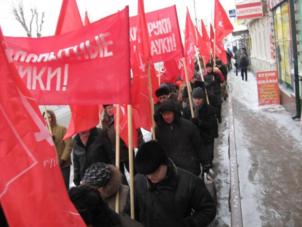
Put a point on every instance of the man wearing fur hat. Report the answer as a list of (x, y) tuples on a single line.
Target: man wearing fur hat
[(179, 137), (168, 196)]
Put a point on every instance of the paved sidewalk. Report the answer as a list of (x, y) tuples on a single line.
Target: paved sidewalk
[(269, 148)]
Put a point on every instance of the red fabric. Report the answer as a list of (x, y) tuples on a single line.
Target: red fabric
[(82, 119), (190, 43), (69, 17), (220, 52), (212, 36), (222, 23), (205, 44), (164, 36), (124, 125), (171, 71), (32, 190), (140, 58), (80, 65)]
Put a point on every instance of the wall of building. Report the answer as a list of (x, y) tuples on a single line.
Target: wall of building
[(262, 57)]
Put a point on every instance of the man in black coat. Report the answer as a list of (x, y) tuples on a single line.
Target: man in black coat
[(168, 196), (213, 85), (89, 147), (244, 63), (179, 137), (206, 121)]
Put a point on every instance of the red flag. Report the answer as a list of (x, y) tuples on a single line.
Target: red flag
[(205, 44), (32, 190), (190, 43), (164, 36), (222, 23), (82, 119), (171, 71), (212, 36), (124, 125), (69, 17), (220, 52), (86, 20), (140, 58), (77, 67)]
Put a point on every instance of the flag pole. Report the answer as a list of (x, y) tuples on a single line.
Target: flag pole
[(189, 89), (131, 165), (151, 101), (117, 153), (201, 74)]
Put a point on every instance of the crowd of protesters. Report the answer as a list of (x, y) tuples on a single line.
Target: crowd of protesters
[(169, 185)]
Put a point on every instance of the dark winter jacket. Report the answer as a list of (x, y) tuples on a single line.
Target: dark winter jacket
[(181, 141), (206, 121), (244, 61), (180, 200), (109, 129), (98, 149), (212, 82)]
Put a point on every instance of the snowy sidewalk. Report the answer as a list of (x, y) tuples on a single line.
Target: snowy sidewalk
[(269, 149)]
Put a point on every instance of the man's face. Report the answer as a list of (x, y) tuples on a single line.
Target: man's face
[(197, 102), (109, 110), (163, 98), (158, 175), (84, 135), (168, 116), (209, 69)]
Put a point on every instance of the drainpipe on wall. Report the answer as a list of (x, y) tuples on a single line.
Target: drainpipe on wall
[(295, 55)]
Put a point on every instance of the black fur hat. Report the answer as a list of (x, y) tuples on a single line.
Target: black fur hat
[(149, 157)]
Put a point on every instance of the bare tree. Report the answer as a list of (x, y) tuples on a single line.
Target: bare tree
[(35, 19)]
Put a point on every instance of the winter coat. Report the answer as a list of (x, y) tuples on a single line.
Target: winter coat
[(63, 147), (180, 200), (212, 82), (206, 121), (109, 129), (98, 149), (181, 141), (109, 191), (244, 61)]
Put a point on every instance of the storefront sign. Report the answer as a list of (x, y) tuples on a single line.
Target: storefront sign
[(232, 13), (249, 9), (268, 88), (273, 3)]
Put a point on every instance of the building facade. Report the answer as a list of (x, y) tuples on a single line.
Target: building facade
[(272, 46)]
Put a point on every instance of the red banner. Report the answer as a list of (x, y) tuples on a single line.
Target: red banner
[(88, 66), (32, 190), (164, 36), (268, 88)]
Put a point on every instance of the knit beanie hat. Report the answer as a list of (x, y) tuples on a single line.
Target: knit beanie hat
[(149, 157), (167, 106), (97, 175), (198, 93)]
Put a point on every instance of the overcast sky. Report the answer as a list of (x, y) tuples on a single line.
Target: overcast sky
[(99, 8)]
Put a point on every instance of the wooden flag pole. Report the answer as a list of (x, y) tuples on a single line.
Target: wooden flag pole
[(189, 89), (151, 100), (201, 74), (131, 160), (117, 153)]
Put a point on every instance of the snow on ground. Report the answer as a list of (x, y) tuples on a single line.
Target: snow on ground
[(269, 155)]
